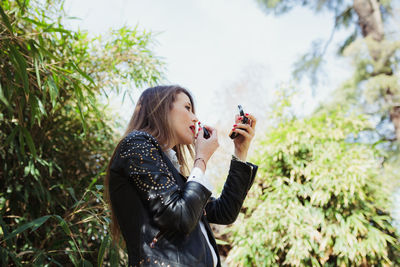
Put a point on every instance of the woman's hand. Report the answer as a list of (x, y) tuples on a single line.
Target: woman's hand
[(204, 148), (246, 133)]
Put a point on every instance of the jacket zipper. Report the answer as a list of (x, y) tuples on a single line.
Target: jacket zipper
[(156, 238)]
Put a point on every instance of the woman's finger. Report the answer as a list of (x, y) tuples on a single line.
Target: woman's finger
[(252, 119), (242, 132), (238, 118), (246, 127), (209, 128)]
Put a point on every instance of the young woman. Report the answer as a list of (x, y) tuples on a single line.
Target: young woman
[(163, 214)]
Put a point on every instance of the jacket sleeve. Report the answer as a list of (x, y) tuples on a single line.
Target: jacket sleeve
[(226, 208), (171, 208)]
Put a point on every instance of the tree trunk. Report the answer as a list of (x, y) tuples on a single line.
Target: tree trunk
[(369, 18), (371, 24), (395, 118)]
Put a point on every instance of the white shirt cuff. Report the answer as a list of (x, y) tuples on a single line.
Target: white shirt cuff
[(197, 175)]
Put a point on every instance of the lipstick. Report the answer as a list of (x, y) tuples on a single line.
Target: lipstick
[(206, 132)]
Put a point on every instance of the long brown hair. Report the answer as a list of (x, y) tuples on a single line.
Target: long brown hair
[(151, 115)]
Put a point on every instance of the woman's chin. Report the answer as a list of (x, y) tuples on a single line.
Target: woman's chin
[(191, 140), (187, 141)]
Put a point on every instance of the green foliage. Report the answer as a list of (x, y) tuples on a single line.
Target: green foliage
[(380, 76), (310, 64), (320, 198), (56, 135), (374, 85)]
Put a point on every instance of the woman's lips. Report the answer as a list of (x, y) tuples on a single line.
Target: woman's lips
[(193, 129)]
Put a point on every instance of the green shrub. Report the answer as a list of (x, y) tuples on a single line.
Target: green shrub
[(320, 198), (55, 134)]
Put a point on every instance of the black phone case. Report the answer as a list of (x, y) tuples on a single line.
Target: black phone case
[(245, 120)]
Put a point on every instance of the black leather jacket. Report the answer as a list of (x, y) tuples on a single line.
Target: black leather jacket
[(159, 212)]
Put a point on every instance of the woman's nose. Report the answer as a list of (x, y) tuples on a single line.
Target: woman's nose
[(195, 118)]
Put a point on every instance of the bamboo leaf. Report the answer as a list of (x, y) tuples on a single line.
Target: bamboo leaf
[(34, 108), (33, 224), (4, 100), (22, 67), (11, 136), (41, 107), (5, 19), (29, 141), (44, 50), (72, 193), (102, 249), (38, 23), (36, 63), (82, 73), (63, 224), (16, 260), (73, 259), (55, 262), (99, 186), (4, 229), (61, 30), (79, 97), (21, 141), (53, 91), (221, 242), (114, 256), (85, 263)]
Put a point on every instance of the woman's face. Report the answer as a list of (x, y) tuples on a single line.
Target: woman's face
[(183, 120)]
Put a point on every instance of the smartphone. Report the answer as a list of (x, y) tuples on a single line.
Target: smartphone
[(245, 120)]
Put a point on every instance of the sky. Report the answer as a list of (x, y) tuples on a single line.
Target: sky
[(210, 45)]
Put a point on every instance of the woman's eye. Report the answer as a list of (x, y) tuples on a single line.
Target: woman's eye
[(188, 108)]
